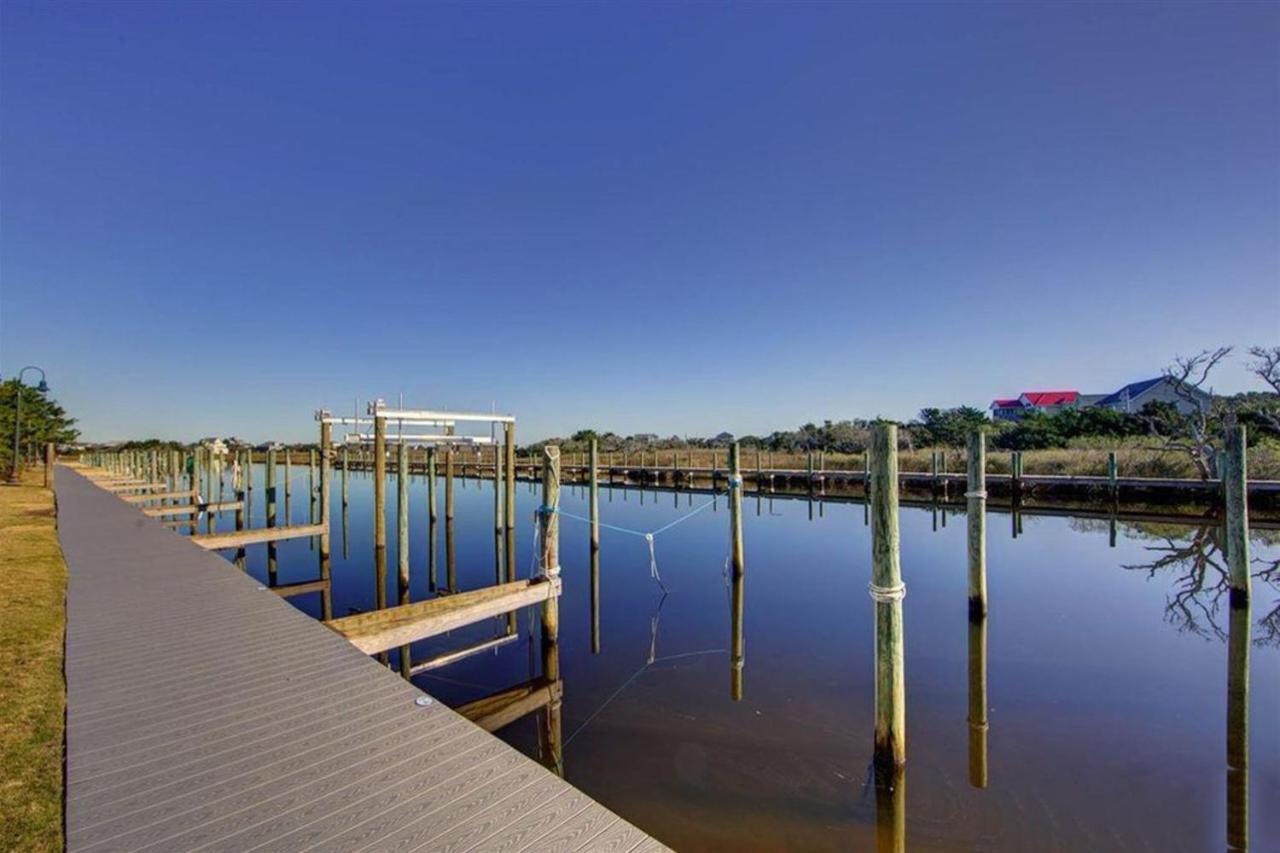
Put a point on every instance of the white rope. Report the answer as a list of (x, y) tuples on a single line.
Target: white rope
[(887, 594), (981, 494)]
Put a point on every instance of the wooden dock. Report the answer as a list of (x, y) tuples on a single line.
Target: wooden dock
[(203, 711)]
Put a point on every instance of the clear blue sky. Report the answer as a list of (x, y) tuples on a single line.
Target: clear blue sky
[(664, 217)]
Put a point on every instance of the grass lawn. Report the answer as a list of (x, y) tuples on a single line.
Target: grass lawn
[(33, 582)]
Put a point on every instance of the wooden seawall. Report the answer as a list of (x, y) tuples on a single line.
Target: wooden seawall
[(203, 711)]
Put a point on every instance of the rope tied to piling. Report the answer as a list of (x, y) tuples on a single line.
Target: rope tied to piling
[(981, 494), (735, 481), (887, 594)]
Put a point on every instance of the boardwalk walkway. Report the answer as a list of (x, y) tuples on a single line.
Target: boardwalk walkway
[(204, 712)]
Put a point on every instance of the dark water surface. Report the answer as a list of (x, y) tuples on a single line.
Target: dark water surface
[(1106, 671)]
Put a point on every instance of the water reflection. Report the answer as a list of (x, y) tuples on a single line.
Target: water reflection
[(978, 701), (891, 808), (1238, 728)]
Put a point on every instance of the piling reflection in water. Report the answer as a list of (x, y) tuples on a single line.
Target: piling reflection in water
[(891, 808), (1238, 640), (978, 725)]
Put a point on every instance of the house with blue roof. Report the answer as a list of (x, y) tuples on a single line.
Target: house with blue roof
[(1162, 389)]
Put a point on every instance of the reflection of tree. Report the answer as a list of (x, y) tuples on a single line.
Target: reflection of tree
[(1201, 579)]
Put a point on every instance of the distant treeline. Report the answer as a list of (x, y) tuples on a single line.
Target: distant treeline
[(950, 427)]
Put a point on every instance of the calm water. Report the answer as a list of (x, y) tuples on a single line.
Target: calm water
[(1106, 672)]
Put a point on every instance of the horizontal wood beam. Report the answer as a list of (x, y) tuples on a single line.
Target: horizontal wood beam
[(460, 654), (189, 509), (240, 538), (135, 487), (506, 706), (380, 630), (289, 590), (157, 496)]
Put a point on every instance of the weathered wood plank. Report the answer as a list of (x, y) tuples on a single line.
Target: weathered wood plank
[(463, 653), (380, 630), (190, 509), (240, 538), (157, 496)]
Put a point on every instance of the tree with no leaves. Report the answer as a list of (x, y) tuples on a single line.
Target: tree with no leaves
[(1195, 432)]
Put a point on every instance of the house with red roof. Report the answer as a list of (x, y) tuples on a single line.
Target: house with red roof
[(1014, 408)]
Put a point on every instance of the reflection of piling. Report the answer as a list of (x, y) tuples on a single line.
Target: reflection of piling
[(402, 541), (977, 500), (737, 644), (1236, 485), (594, 500), (549, 522), (431, 518), (887, 590), (891, 809), (380, 511), (1238, 728), (978, 702), (326, 465)]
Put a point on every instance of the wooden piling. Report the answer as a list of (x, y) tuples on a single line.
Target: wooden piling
[(887, 590), (271, 514), (288, 485), (450, 567), (1236, 486), (498, 527), (737, 644), (402, 542), (49, 455), (326, 568), (346, 464), (380, 511), (976, 496), (431, 518), (549, 522)]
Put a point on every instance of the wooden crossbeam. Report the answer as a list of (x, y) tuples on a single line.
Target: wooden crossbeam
[(189, 509), (240, 538), (506, 706), (156, 496), (289, 590), (380, 630), (465, 652), (135, 487)]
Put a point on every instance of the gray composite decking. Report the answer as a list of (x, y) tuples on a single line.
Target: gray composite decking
[(205, 712)]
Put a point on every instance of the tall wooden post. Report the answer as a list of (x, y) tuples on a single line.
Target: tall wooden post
[(549, 521), (380, 511), (498, 527), (49, 454), (288, 485), (737, 643), (326, 568), (402, 542), (346, 464), (976, 495), (311, 484), (449, 565), (271, 514), (1236, 485), (887, 590), (431, 518)]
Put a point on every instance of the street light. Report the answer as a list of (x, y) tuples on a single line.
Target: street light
[(43, 388)]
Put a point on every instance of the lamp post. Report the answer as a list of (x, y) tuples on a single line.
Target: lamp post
[(43, 388)]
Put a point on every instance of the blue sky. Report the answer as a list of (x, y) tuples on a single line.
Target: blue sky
[(672, 218)]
